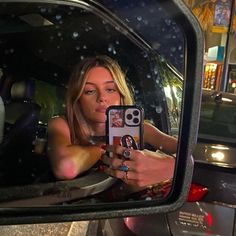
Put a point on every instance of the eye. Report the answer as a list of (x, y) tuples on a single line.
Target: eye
[(111, 90), (90, 91)]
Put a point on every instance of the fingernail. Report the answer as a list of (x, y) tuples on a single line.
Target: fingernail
[(102, 168), (103, 146)]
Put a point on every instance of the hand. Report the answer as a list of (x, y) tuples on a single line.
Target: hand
[(144, 167)]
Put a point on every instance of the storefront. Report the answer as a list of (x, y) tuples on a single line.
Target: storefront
[(218, 21)]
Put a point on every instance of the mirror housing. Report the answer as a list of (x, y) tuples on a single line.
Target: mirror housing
[(187, 140)]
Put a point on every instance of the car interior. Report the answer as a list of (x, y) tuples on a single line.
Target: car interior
[(35, 69)]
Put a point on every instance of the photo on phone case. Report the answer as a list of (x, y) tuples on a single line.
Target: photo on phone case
[(125, 126)]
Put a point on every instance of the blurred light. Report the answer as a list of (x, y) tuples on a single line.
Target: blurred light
[(209, 219), (218, 156), (220, 147), (227, 100), (197, 192)]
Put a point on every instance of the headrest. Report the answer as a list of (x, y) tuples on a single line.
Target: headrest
[(23, 90)]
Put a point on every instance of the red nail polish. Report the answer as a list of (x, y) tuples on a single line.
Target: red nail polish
[(102, 168), (103, 146)]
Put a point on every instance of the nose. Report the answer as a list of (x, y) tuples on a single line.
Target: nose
[(101, 97)]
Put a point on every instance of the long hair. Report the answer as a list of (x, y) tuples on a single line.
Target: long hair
[(79, 128)]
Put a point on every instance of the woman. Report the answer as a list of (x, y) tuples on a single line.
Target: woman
[(75, 141)]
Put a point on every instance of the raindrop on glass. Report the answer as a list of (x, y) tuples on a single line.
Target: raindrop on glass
[(58, 17), (139, 18), (43, 10), (75, 35), (158, 109)]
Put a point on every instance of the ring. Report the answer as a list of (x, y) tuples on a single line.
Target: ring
[(126, 175), (124, 168), (127, 153)]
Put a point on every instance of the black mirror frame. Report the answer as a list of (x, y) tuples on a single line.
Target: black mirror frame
[(187, 139)]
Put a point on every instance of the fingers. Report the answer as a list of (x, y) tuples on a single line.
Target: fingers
[(126, 176), (123, 151), (116, 163), (122, 164)]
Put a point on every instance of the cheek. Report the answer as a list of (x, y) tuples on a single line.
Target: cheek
[(116, 99), (84, 103)]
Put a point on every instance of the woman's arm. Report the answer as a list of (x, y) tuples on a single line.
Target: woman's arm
[(68, 160), (159, 140)]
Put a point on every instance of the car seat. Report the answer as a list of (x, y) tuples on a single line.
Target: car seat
[(2, 119), (21, 122)]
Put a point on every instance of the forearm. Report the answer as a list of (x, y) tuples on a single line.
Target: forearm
[(71, 161)]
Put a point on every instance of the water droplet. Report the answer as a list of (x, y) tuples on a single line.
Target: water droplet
[(156, 45), (139, 18), (158, 109), (43, 10), (58, 17), (59, 34), (168, 22), (110, 48), (75, 35)]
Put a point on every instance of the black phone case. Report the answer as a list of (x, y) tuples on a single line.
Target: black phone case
[(124, 126)]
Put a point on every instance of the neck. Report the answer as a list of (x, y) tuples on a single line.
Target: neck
[(98, 129)]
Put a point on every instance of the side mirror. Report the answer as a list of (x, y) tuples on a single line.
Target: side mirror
[(160, 43)]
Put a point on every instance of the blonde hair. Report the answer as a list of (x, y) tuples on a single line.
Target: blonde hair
[(79, 128)]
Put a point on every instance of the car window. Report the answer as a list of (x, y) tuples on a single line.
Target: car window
[(39, 45), (218, 118)]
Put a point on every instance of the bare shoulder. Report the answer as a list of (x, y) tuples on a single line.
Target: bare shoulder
[(58, 124), (57, 121)]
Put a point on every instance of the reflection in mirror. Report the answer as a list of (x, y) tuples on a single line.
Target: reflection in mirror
[(55, 86)]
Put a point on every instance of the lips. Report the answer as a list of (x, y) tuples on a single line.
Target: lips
[(101, 109)]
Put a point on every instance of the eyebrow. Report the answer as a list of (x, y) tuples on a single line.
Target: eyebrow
[(106, 82)]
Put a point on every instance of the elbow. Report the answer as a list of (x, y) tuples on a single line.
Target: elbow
[(65, 170)]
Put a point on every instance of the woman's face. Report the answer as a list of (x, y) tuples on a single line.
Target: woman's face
[(99, 93)]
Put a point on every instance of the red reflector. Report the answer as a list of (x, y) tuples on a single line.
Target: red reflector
[(197, 193)]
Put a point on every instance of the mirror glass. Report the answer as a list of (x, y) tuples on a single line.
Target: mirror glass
[(40, 43)]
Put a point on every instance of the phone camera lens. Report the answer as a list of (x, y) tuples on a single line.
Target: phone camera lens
[(136, 113), (129, 116), (136, 120)]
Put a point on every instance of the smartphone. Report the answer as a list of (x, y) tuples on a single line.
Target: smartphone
[(124, 126)]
